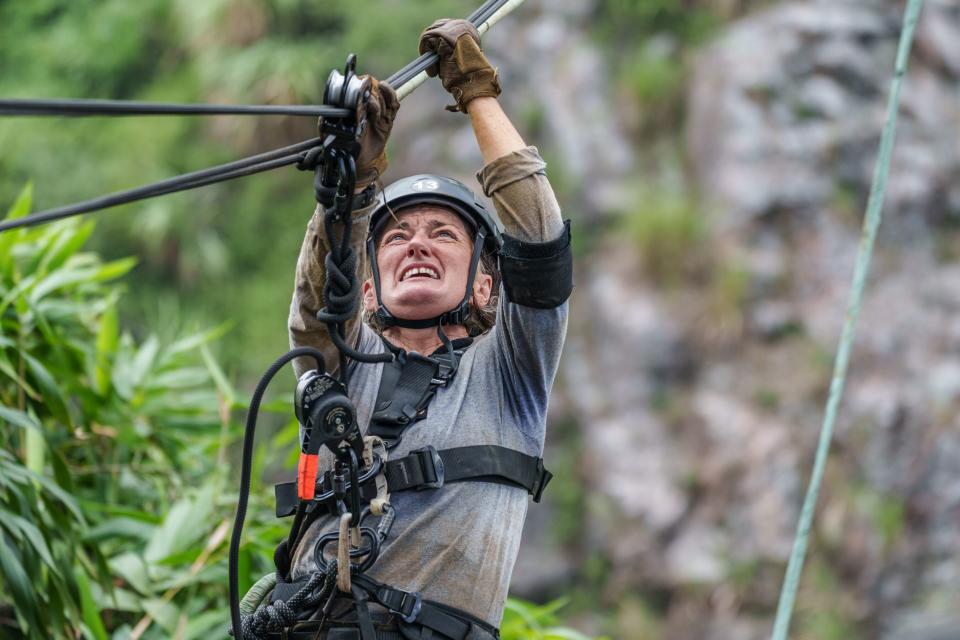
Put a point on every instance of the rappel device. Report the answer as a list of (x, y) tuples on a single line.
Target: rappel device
[(327, 419)]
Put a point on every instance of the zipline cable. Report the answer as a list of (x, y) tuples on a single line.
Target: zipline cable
[(871, 223), (488, 14), (247, 166), (79, 107)]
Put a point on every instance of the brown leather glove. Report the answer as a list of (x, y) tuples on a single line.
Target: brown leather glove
[(463, 69), (375, 114)]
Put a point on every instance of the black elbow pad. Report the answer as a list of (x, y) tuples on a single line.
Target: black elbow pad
[(537, 274)]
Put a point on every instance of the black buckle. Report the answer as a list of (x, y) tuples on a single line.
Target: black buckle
[(411, 617), (433, 468), (541, 481)]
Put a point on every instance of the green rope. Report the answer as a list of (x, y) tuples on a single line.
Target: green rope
[(869, 233)]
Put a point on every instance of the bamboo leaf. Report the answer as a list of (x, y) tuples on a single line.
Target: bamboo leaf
[(19, 418), (183, 525), (24, 285), (36, 449), (133, 570), (32, 536), (66, 245), (7, 369), (219, 378), (120, 528), (121, 511), (113, 270), (52, 394), (106, 347), (194, 341), (164, 612), (184, 378), (206, 624), (17, 581), (143, 361), (58, 493), (88, 606), (20, 208)]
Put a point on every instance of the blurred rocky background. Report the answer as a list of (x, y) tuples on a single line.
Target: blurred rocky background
[(715, 157)]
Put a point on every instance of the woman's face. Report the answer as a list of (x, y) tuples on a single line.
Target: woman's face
[(424, 259)]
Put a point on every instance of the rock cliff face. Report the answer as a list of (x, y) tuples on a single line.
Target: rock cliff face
[(694, 406), (703, 449)]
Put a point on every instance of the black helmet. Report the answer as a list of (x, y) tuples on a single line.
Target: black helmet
[(449, 194)]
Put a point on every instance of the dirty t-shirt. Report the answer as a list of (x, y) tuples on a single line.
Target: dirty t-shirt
[(457, 545)]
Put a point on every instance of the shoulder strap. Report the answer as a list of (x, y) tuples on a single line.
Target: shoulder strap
[(406, 388), (397, 408)]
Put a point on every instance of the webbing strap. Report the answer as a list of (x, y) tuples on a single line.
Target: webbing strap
[(406, 387), (399, 406), (413, 610), (871, 223), (479, 463)]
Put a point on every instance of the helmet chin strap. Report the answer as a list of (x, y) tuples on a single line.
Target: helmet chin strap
[(455, 316)]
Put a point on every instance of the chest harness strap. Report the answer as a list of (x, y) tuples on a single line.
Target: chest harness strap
[(406, 387), (429, 468)]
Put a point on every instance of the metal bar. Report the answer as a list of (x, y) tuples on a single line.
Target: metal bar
[(410, 85)]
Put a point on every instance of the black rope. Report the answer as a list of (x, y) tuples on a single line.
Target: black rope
[(246, 467), (279, 613), (282, 157), (341, 291), (79, 107)]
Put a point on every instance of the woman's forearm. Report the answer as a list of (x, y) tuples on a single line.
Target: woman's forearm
[(496, 135)]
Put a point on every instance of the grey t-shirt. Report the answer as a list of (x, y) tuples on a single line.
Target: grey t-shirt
[(458, 544)]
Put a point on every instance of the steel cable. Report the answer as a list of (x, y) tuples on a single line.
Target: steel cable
[(73, 107)]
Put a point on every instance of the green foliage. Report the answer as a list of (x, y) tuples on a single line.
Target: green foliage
[(527, 621), (669, 233), (690, 22), (825, 611), (651, 58), (112, 470), (638, 620)]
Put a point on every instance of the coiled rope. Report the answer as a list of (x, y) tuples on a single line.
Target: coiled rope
[(279, 614), (871, 223)]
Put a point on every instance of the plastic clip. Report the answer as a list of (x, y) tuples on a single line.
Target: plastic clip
[(431, 453)]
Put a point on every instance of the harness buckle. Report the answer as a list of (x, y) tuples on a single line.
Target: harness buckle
[(432, 470), (541, 481), (411, 617)]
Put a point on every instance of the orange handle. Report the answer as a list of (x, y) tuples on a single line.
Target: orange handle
[(307, 476)]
